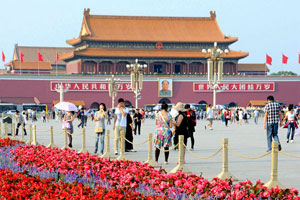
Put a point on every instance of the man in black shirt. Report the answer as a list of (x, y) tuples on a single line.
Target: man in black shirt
[(137, 121)]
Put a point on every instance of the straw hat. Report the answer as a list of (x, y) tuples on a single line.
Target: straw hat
[(179, 107)]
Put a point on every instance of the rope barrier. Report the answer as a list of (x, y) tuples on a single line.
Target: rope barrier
[(60, 133), (42, 131), (289, 155), (136, 144), (199, 157), (74, 134), (246, 157), (163, 150), (95, 136)]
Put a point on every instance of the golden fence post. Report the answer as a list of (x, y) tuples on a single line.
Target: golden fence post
[(273, 182), (13, 131), (66, 139), (122, 146), (51, 138), (150, 160), (0, 130), (107, 146), (180, 166), (83, 149), (5, 130), (30, 135), (34, 135), (22, 133), (225, 174)]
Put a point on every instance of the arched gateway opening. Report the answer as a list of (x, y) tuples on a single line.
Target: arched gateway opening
[(164, 100)]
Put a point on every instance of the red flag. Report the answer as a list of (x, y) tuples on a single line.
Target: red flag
[(269, 60), (284, 59), (57, 57), (21, 57), (40, 57), (3, 57)]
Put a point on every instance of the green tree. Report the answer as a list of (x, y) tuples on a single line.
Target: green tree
[(284, 73)]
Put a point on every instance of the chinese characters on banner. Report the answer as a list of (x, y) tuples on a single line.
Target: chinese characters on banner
[(235, 87), (90, 86)]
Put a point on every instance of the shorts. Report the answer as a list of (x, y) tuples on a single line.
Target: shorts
[(210, 120)]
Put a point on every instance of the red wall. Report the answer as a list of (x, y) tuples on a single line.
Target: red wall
[(285, 91)]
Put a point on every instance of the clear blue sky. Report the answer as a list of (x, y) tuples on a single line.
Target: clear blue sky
[(262, 26)]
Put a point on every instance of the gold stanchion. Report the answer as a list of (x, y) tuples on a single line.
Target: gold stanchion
[(122, 147), (273, 182), (180, 166), (13, 131), (0, 130), (34, 135), (66, 139), (225, 174), (150, 160), (22, 133), (107, 146), (5, 130), (83, 149), (30, 135), (51, 138)]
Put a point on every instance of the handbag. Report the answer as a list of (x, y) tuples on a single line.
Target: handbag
[(65, 125), (98, 130)]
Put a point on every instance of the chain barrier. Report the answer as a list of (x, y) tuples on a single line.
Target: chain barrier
[(199, 157), (246, 157), (289, 155), (163, 150), (136, 144), (60, 133), (74, 134)]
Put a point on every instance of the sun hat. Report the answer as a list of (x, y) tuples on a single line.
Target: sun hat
[(179, 107)]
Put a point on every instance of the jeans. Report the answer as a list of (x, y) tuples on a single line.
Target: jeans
[(101, 141), (255, 120), (81, 122), (291, 127), (272, 132), (137, 127)]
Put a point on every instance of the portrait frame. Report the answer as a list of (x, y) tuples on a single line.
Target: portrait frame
[(166, 93)]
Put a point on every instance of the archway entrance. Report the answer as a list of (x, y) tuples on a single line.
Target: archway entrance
[(232, 104), (164, 100), (202, 102), (95, 106)]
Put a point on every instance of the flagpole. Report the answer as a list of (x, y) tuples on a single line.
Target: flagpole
[(20, 63), (56, 62)]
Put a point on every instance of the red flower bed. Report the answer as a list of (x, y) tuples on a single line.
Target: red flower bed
[(8, 142), (20, 186), (130, 174)]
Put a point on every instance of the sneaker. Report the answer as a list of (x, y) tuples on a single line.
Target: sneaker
[(268, 150), (292, 141), (211, 129), (70, 145), (166, 163), (116, 153), (287, 141), (205, 127), (191, 149)]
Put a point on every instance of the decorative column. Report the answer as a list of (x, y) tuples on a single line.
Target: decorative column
[(188, 68), (115, 67), (97, 68), (148, 69), (171, 68)]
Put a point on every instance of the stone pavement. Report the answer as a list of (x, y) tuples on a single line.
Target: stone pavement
[(247, 139)]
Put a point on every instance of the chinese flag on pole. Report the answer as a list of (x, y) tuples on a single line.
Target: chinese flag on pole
[(57, 57), (269, 60), (299, 58), (21, 57), (3, 57), (284, 59), (40, 57)]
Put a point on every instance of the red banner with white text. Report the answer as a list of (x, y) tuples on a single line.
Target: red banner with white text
[(90, 86), (235, 87)]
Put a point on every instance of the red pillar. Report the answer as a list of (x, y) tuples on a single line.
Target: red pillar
[(171, 68), (97, 68), (236, 68), (148, 67), (114, 71), (188, 68)]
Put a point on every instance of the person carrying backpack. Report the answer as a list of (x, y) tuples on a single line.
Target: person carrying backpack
[(191, 116)]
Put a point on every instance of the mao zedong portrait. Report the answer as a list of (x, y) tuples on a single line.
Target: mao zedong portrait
[(165, 89)]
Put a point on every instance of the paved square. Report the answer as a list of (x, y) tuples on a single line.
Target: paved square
[(247, 139)]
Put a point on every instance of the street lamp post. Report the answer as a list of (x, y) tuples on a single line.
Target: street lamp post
[(214, 68), (112, 89), (136, 77)]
